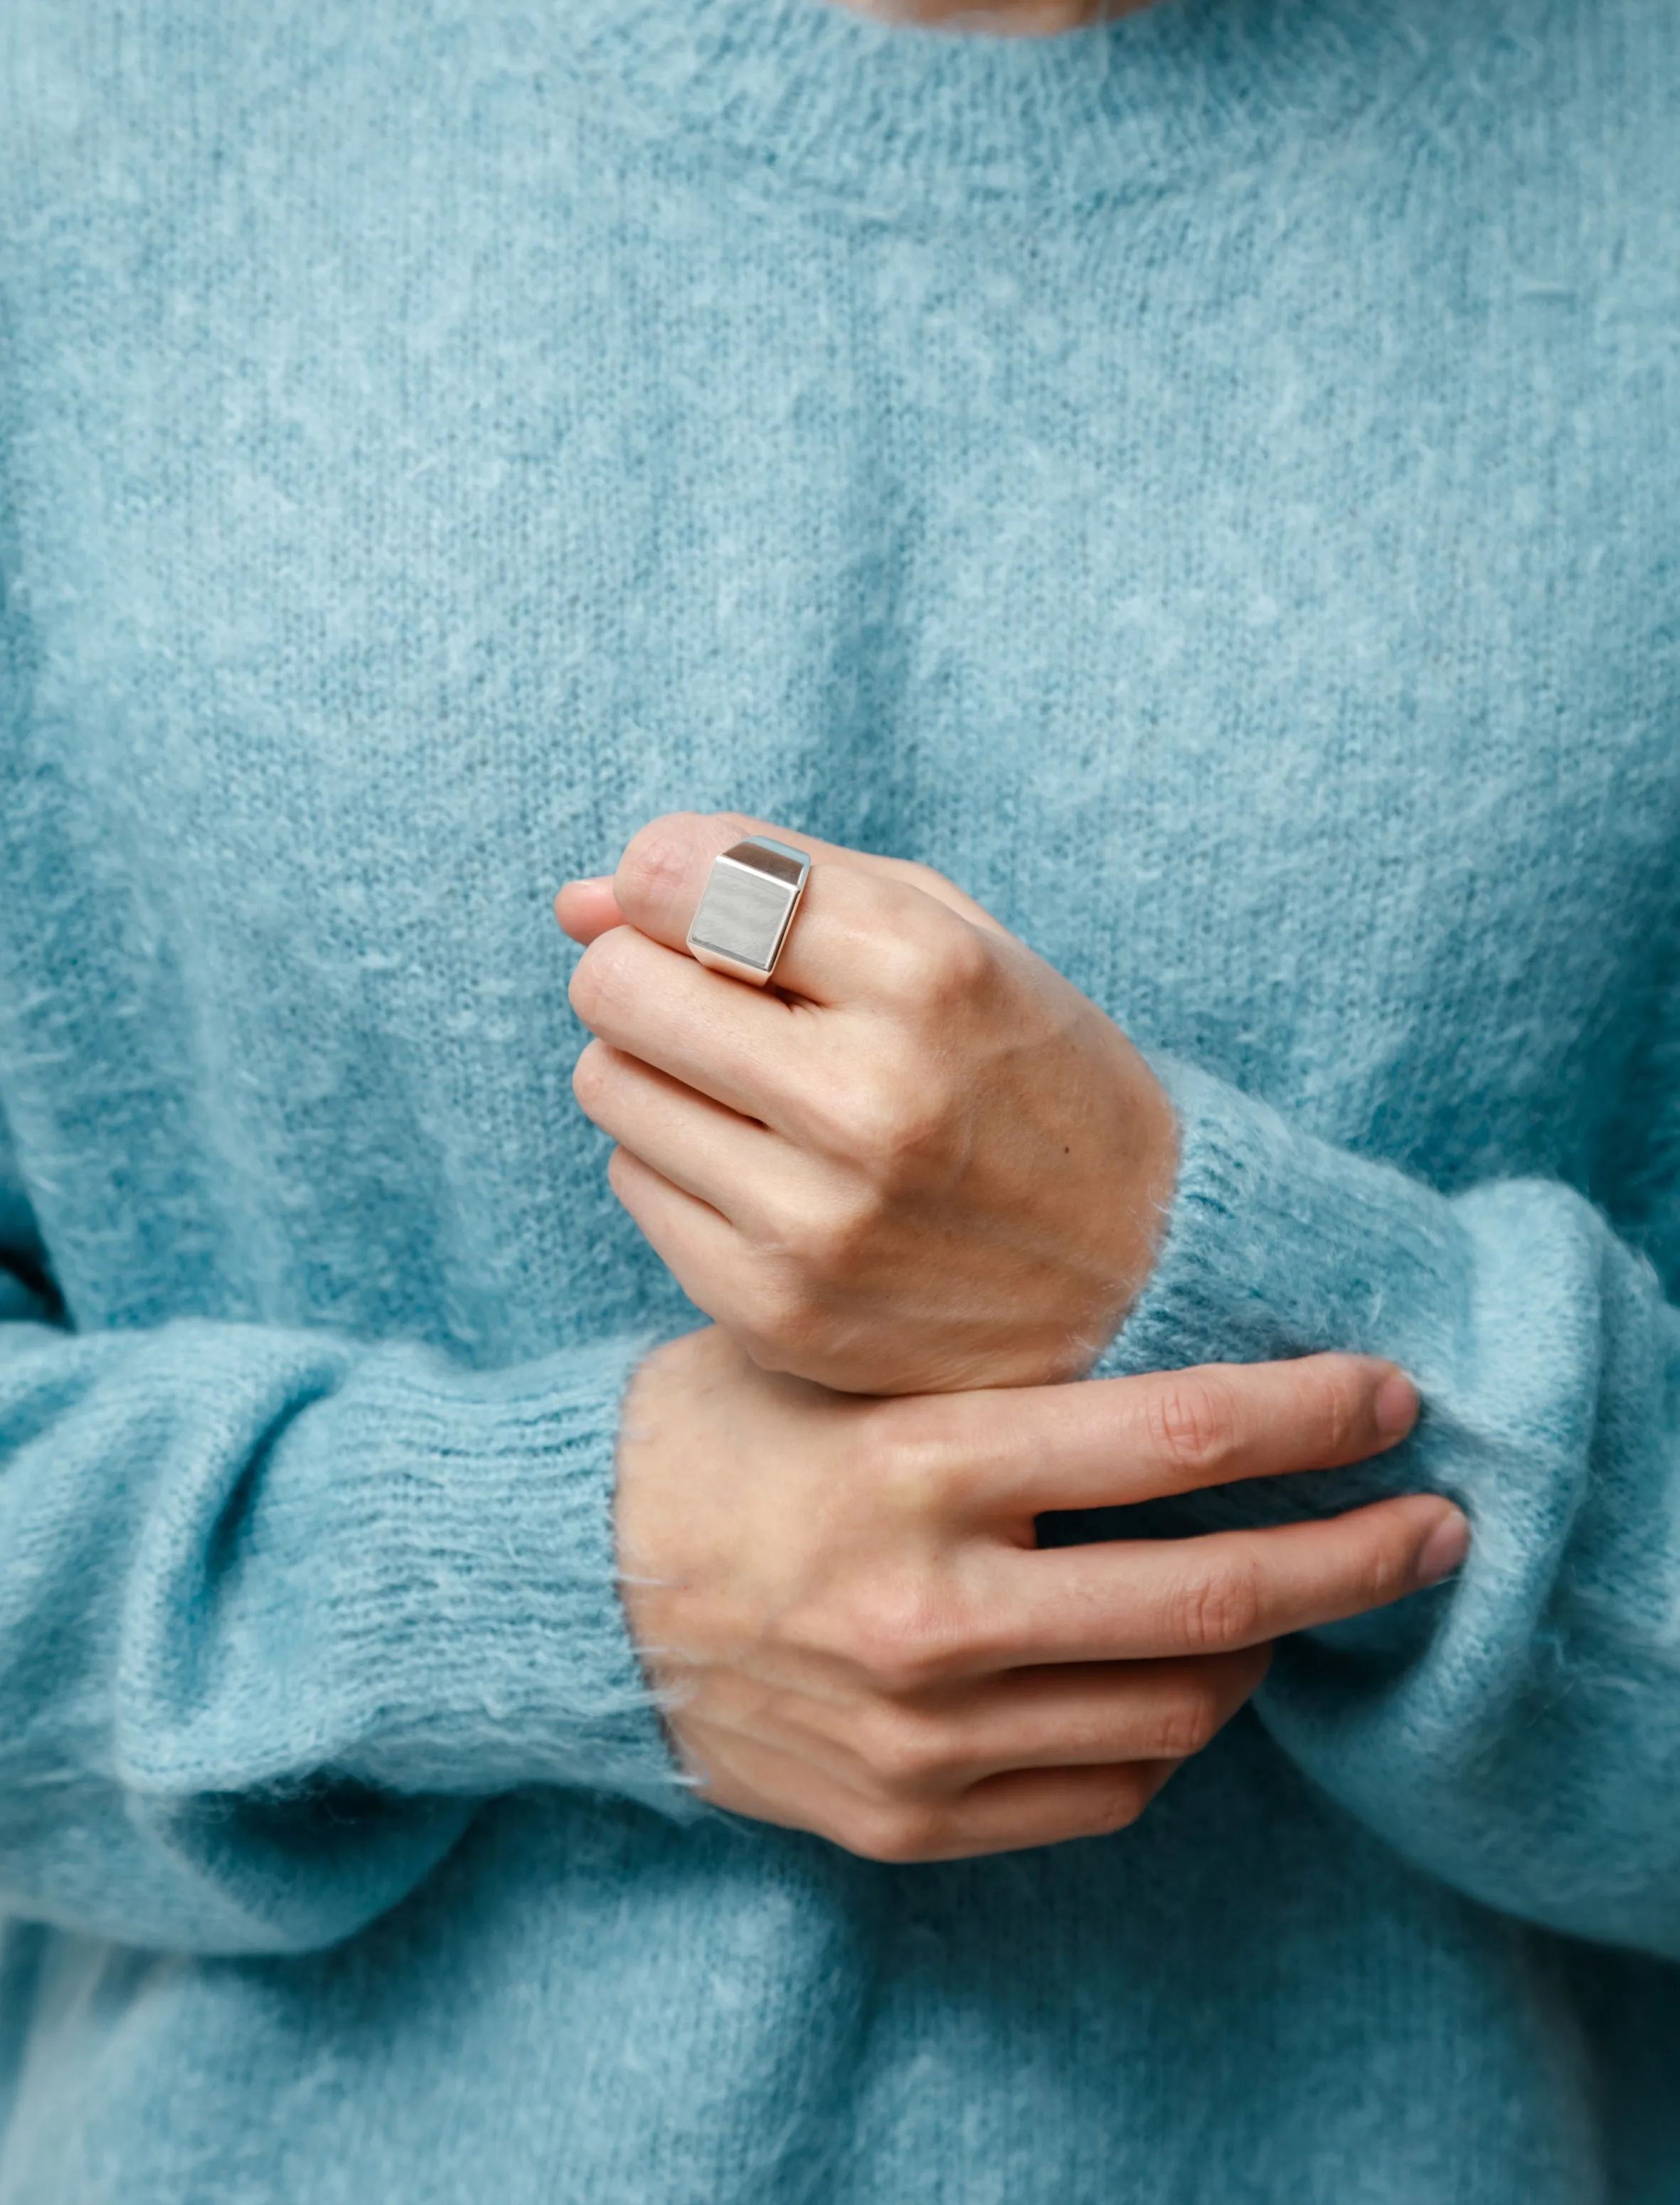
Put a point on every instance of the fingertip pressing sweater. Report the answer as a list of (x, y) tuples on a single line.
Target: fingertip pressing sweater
[(1209, 485)]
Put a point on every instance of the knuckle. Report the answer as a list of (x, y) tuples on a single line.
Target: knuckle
[(928, 879), (1221, 1606), (862, 1110), (600, 981), (777, 1317), (905, 1753), (902, 1635), (932, 962), (592, 1076), (960, 962), (887, 1122), (1384, 1569), (1121, 1801), (1190, 1426), (1192, 1721), (828, 1242), (1339, 1413), (913, 1459), (658, 857), (896, 1832)]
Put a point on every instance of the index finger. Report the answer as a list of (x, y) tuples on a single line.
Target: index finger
[(664, 872), (1104, 1442)]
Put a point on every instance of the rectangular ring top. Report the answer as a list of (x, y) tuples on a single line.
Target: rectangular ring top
[(776, 858), (750, 896)]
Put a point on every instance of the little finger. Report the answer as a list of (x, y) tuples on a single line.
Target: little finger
[(1026, 1808), (749, 1293), (1009, 1813)]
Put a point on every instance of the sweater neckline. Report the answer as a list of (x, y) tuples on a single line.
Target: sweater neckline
[(876, 111)]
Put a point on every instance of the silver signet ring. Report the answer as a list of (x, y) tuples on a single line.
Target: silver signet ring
[(751, 894)]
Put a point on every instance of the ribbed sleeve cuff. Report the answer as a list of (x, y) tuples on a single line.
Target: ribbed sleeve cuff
[(1278, 1244), (458, 1527)]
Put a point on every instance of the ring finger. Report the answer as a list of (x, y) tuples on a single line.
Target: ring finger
[(1106, 1712)]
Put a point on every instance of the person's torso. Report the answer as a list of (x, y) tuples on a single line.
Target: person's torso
[(1259, 592)]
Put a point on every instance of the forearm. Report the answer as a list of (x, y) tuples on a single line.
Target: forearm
[(276, 1609), (1524, 1740), (1519, 1738)]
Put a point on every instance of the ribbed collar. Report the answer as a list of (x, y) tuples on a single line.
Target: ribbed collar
[(876, 111)]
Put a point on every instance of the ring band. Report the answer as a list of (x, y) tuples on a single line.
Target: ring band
[(751, 894)]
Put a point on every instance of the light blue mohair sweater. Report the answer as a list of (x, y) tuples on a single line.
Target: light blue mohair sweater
[(1212, 486)]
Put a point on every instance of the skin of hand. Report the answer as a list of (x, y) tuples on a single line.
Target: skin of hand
[(853, 1632), (922, 1162)]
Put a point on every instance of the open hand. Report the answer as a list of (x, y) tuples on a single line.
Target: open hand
[(843, 1604), (922, 1161)]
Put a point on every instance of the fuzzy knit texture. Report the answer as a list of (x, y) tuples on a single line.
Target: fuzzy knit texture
[(1210, 484)]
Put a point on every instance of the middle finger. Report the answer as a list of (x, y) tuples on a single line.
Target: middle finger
[(1091, 1716), (1144, 1599), (746, 1047)]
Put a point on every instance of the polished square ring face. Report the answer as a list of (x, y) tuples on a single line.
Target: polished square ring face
[(751, 894)]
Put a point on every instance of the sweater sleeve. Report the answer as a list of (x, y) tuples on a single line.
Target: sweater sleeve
[(1518, 1731), (276, 1608)]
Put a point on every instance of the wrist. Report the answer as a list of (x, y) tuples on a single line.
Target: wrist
[(1148, 1180)]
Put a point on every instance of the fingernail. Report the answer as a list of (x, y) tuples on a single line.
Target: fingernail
[(1396, 1405), (1445, 1549)]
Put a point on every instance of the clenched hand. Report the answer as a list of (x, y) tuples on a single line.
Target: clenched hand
[(921, 1165), (922, 1161)]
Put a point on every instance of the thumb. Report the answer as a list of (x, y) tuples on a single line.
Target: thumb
[(588, 907)]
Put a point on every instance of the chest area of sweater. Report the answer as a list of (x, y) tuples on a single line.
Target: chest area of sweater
[(1283, 650)]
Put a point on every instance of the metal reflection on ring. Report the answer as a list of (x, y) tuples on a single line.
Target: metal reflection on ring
[(751, 894)]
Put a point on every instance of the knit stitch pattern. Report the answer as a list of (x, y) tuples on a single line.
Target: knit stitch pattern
[(1210, 484)]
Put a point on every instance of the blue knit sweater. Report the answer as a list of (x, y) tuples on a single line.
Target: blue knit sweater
[(1208, 485)]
